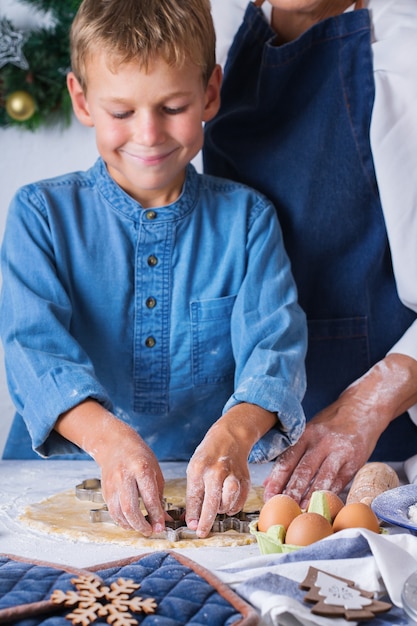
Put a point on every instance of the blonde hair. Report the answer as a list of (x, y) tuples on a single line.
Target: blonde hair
[(142, 30)]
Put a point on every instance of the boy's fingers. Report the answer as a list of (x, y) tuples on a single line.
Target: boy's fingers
[(156, 515), (234, 495), (151, 494), (129, 516), (209, 511), (194, 503), (125, 507), (202, 506)]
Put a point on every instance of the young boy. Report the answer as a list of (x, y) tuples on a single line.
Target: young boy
[(148, 310)]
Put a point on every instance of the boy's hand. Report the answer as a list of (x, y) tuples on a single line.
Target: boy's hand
[(129, 470), (217, 482), (218, 475), (129, 475)]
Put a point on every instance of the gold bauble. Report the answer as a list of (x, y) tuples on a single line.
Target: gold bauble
[(20, 105)]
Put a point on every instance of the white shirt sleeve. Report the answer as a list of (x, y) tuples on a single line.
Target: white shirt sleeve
[(227, 17), (394, 143)]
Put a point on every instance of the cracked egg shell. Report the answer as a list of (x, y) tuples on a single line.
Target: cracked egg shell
[(278, 510), (335, 503)]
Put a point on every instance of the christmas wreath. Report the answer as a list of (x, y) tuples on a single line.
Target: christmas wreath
[(33, 68)]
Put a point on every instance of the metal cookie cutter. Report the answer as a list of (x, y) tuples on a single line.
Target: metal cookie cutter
[(89, 489), (175, 529)]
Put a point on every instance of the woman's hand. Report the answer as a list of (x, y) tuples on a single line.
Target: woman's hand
[(218, 478), (130, 472), (339, 440), (291, 18)]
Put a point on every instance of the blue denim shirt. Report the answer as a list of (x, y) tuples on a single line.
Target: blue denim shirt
[(168, 317)]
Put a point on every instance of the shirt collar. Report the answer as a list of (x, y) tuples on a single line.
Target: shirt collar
[(121, 201)]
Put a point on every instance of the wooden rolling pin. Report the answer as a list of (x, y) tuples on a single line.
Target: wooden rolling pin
[(371, 480)]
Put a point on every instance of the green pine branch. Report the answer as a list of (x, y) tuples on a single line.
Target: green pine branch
[(47, 52)]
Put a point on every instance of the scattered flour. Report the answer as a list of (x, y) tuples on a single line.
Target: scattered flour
[(412, 513)]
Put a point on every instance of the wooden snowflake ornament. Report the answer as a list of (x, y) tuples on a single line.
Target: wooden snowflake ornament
[(93, 600), (339, 597)]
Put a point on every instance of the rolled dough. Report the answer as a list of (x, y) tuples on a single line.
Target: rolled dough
[(66, 516)]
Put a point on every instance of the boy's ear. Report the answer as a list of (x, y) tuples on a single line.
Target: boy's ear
[(79, 103), (213, 94)]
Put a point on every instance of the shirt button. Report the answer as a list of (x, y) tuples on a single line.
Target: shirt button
[(150, 342), (152, 260), (151, 303), (150, 215)]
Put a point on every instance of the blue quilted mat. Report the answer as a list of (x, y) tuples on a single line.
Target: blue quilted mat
[(186, 594)]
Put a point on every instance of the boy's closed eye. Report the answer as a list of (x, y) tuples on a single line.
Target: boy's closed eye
[(122, 115), (175, 110)]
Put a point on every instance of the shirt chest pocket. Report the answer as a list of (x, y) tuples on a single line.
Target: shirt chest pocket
[(212, 355)]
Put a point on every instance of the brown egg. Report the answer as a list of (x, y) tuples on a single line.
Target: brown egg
[(280, 509), (308, 528), (356, 515)]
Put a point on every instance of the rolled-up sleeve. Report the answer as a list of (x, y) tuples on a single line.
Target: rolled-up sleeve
[(269, 337)]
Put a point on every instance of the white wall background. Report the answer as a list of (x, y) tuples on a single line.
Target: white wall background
[(26, 156)]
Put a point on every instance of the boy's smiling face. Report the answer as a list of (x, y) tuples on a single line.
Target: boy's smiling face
[(149, 124)]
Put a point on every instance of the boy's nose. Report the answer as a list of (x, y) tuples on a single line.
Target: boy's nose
[(149, 130)]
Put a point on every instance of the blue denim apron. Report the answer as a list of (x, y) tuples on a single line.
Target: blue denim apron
[(294, 123)]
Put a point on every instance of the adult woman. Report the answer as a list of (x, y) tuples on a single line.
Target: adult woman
[(317, 106)]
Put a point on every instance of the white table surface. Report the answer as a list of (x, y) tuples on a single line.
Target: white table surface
[(27, 482)]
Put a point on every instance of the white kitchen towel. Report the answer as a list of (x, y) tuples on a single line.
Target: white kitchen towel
[(378, 563)]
